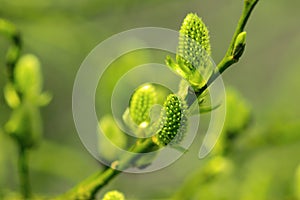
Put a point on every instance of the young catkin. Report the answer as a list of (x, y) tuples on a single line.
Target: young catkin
[(141, 103), (173, 121), (194, 42)]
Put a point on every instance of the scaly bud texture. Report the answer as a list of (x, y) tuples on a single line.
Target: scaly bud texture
[(173, 121), (141, 103), (194, 43), (193, 61)]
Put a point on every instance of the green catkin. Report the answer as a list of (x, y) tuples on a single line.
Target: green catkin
[(193, 61), (194, 42), (173, 121), (141, 103)]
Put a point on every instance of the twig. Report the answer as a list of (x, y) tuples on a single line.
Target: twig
[(229, 59), (89, 188), (10, 32), (24, 173)]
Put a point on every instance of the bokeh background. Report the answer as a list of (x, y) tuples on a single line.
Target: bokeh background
[(262, 161)]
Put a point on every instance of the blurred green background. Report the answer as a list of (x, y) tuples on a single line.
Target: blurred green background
[(263, 159)]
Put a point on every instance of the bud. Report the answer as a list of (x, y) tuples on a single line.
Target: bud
[(141, 103), (28, 77), (173, 121), (114, 195), (239, 45)]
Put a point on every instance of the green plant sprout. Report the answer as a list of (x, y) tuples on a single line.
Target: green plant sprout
[(23, 94), (193, 29)]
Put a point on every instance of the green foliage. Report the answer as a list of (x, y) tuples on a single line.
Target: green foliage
[(114, 195), (173, 121)]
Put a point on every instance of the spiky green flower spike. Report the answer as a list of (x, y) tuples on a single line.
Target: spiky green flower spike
[(192, 59), (194, 38), (173, 121), (141, 103)]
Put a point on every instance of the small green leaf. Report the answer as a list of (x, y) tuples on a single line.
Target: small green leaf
[(11, 96), (178, 69), (44, 99)]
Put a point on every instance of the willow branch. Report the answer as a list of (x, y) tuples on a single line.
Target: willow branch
[(24, 173), (229, 58), (88, 188), (9, 31)]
